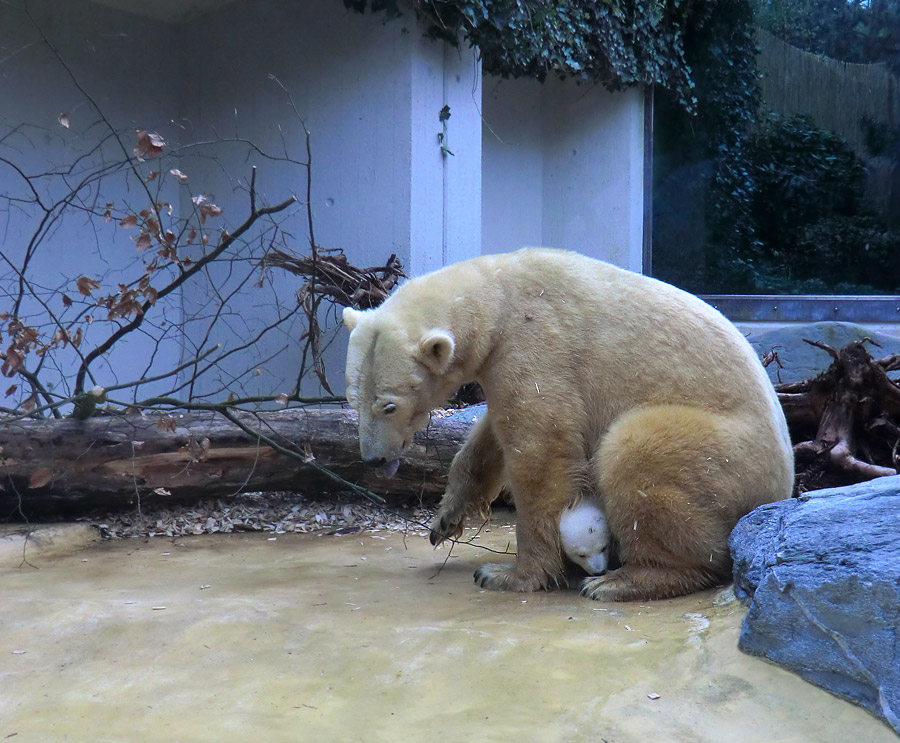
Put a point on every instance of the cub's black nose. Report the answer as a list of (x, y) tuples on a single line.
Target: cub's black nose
[(375, 461)]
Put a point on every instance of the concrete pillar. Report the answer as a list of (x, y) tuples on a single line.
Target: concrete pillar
[(445, 188)]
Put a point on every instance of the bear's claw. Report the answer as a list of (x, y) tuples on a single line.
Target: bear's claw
[(502, 577), (444, 527)]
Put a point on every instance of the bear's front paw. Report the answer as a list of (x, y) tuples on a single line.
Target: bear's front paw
[(445, 526), (609, 587), (500, 577)]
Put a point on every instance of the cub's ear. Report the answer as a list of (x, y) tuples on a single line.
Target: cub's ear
[(436, 350), (351, 318)]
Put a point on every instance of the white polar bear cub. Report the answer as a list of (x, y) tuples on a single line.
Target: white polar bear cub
[(585, 536)]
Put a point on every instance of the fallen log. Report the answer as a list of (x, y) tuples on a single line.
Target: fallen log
[(114, 462), (845, 424)]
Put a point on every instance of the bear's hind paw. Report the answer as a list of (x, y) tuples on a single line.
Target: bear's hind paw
[(503, 577), (630, 583)]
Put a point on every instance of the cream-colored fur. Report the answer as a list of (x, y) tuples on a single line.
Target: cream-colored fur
[(585, 536), (597, 380)]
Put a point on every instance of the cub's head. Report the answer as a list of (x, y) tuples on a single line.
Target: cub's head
[(585, 536), (394, 378)]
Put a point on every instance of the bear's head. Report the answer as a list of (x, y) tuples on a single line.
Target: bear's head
[(395, 377), (585, 536)]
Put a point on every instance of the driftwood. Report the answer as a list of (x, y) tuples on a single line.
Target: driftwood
[(69, 466), (845, 422)]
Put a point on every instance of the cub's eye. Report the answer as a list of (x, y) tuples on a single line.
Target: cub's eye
[(389, 408)]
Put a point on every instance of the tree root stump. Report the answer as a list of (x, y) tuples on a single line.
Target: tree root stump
[(845, 423)]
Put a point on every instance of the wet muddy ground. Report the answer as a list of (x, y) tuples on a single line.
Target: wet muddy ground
[(364, 637)]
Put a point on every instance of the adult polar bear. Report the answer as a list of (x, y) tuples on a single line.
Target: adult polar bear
[(596, 379)]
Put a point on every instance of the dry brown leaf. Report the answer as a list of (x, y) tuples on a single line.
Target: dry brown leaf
[(282, 399), (66, 300), (14, 359), (76, 339), (209, 210), (40, 477), (166, 423), (198, 451), (86, 285), (130, 221), (143, 242), (63, 120), (11, 390), (148, 146), (178, 175), (31, 403), (154, 174)]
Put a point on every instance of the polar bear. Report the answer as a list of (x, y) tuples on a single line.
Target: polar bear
[(584, 535), (597, 380)]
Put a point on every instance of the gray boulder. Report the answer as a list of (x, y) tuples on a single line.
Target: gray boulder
[(802, 360), (821, 575)]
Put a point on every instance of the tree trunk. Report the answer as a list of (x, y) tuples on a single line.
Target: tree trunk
[(68, 466)]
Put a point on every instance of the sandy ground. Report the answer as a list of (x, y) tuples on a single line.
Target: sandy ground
[(363, 637)]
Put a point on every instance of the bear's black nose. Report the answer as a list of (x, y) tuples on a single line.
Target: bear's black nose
[(374, 461)]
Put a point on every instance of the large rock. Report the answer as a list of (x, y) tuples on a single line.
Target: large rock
[(802, 360), (821, 574)]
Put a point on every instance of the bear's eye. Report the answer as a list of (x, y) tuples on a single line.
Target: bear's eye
[(389, 408)]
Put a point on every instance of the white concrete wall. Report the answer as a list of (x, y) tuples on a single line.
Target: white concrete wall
[(445, 204), (128, 67), (513, 165), (370, 93), (553, 164), (563, 167)]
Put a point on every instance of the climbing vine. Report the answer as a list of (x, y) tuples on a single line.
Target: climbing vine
[(699, 56), (616, 43)]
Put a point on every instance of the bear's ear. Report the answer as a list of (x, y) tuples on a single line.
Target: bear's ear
[(436, 350), (351, 318)]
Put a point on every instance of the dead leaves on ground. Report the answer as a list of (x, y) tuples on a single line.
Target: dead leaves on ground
[(276, 513)]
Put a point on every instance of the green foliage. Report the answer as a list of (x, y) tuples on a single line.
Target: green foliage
[(808, 172), (720, 50), (880, 138), (723, 54), (614, 42), (861, 31), (813, 233)]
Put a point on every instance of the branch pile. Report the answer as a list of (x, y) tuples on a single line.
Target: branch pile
[(845, 422), (329, 273)]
